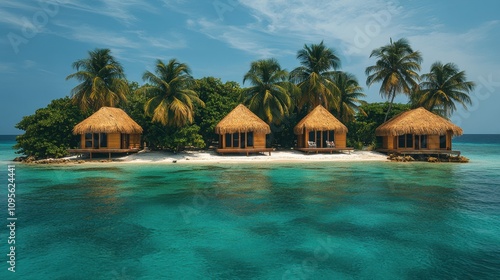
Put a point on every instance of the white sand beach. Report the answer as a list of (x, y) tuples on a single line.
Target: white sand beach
[(276, 156)]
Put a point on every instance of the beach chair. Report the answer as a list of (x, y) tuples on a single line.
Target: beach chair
[(330, 144), (311, 144)]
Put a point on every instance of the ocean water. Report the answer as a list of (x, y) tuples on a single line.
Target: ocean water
[(335, 220)]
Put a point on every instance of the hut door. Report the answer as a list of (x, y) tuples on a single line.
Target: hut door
[(243, 140), (96, 140), (417, 142), (125, 141)]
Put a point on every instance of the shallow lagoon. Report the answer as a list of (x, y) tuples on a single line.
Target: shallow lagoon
[(260, 221)]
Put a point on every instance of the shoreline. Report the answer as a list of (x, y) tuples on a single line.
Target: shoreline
[(289, 156), (211, 157)]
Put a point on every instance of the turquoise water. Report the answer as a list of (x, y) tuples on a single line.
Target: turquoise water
[(258, 221)]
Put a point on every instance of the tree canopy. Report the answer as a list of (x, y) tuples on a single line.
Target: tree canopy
[(48, 132), (441, 88), (102, 80), (395, 70), (269, 94)]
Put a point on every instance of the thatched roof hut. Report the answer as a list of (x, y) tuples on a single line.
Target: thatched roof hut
[(319, 119), (108, 120), (241, 119), (419, 122)]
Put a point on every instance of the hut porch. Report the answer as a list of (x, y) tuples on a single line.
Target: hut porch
[(91, 151), (246, 151), (419, 152), (324, 150)]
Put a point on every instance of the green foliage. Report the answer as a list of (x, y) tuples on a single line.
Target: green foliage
[(349, 96), (441, 88), (171, 98), (187, 136), (396, 70), (102, 80), (48, 132), (314, 77), (155, 134), (282, 135), (362, 130), (268, 95), (160, 137), (220, 98)]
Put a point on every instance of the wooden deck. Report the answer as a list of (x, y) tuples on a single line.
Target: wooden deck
[(101, 151), (324, 150), (420, 152), (246, 151)]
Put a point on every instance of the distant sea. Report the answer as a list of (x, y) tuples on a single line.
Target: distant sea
[(336, 220)]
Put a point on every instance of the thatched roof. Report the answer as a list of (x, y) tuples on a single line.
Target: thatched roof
[(319, 119), (241, 119), (418, 121), (108, 120)]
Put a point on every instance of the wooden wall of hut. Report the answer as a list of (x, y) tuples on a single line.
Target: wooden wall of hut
[(433, 142), (258, 139), (112, 141), (340, 140)]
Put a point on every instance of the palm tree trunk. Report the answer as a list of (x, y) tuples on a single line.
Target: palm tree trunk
[(390, 105)]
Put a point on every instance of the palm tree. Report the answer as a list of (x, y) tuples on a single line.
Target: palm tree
[(314, 77), (171, 98), (269, 95), (442, 87), (395, 68), (102, 79), (350, 94)]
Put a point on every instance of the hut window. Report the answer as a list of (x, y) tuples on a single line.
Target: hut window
[(402, 141), (250, 139), (229, 143), (423, 141), (405, 141), (88, 140), (103, 140), (409, 140), (442, 141), (318, 139), (236, 140)]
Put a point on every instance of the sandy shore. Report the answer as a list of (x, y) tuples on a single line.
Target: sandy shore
[(276, 156)]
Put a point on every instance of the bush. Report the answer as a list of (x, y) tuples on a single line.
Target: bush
[(48, 132)]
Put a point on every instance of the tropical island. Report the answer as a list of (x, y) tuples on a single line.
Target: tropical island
[(315, 108)]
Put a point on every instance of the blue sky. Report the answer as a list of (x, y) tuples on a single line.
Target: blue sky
[(39, 41)]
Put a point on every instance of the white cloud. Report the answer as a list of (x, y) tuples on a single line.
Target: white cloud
[(353, 26), (15, 21), (120, 10)]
